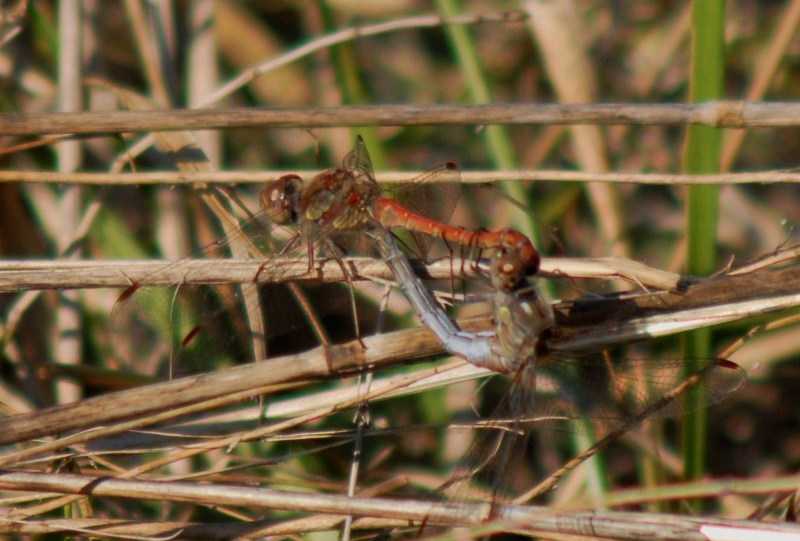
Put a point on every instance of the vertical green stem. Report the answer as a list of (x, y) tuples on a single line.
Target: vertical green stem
[(702, 155)]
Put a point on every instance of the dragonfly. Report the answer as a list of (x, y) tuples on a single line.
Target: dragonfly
[(349, 198), (561, 386)]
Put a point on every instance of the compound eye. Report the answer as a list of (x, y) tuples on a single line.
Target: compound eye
[(533, 264), (279, 199)]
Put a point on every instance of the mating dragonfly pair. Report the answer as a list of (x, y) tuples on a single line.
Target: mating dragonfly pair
[(348, 199)]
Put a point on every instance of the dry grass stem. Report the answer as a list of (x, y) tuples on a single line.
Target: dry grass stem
[(59, 274), (720, 114), (528, 519)]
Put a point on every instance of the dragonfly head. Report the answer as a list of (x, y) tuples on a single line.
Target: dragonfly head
[(507, 270), (514, 242), (279, 199)]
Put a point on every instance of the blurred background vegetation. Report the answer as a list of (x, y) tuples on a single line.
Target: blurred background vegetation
[(576, 51)]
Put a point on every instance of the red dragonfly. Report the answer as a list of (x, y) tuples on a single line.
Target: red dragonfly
[(349, 198)]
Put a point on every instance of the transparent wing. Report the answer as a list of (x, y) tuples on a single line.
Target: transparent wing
[(358, 160), (433, 195), (558, 391)]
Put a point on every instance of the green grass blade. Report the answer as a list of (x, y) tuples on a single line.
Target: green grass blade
[(702, 155)]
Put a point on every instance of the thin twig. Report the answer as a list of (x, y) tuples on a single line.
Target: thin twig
[(467, 177)]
